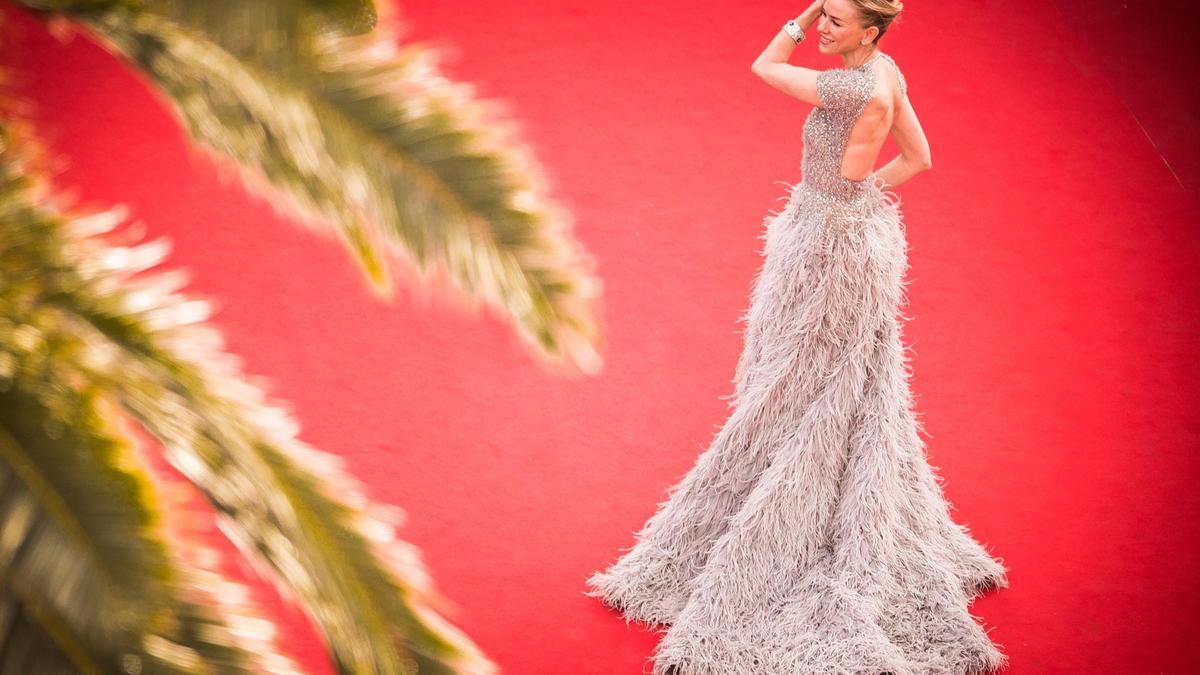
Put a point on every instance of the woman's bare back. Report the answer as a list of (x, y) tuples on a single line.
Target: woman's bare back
[(869, 132), (871, 129), (863, 104)]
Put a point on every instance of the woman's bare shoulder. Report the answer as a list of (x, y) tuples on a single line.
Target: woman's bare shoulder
[(888, 72)]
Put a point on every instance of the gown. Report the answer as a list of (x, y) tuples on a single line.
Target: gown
[(813, 535)]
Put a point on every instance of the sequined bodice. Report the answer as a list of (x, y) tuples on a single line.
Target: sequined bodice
[(845, 93)]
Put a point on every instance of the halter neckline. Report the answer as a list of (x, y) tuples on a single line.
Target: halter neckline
[(868, 61)]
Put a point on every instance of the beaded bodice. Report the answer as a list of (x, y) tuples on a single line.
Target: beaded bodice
[(845, 93)]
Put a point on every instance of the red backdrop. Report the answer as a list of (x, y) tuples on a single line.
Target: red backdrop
[(1054, 291)]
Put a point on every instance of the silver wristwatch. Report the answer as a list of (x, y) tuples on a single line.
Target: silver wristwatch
[(794, 31)]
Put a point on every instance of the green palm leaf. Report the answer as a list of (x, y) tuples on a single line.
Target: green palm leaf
[(88, 582), (357, 133), (89, 585), (351, 17), (77, 553), (290, 507)]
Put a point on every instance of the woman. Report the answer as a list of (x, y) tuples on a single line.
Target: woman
[(812, 536)]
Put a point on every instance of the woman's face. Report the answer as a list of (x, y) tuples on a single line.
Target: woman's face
[(840, 28)]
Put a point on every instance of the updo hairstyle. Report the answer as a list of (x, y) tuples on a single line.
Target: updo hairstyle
[(878, 13)]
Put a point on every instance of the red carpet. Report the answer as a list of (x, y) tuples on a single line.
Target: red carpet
[(1054, 290)]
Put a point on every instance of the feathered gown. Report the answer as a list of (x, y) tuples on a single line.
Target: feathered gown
[(813, 536)]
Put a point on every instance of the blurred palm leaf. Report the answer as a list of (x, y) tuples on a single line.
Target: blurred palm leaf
[(354, 132), (89, 581), (85, 323), (90, 585), (355, 136)]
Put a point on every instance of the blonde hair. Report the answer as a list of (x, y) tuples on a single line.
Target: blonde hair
[(878, 13)]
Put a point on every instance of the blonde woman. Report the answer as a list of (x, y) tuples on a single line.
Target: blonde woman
[(813, 536)]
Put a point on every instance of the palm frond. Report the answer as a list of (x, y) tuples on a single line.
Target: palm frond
[(88, 579), (349, 17), (215, 623), (27, 647), (293, 509), (88, 585), (77, 552), (357, 134), (471, 196)]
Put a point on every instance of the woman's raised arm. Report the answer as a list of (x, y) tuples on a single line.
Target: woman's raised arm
[(773, 68)]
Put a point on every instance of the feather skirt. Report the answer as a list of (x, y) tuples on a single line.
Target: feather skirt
[(812, 535)]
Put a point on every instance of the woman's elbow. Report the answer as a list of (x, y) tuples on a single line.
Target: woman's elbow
[(763, 67), (926, 163)]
